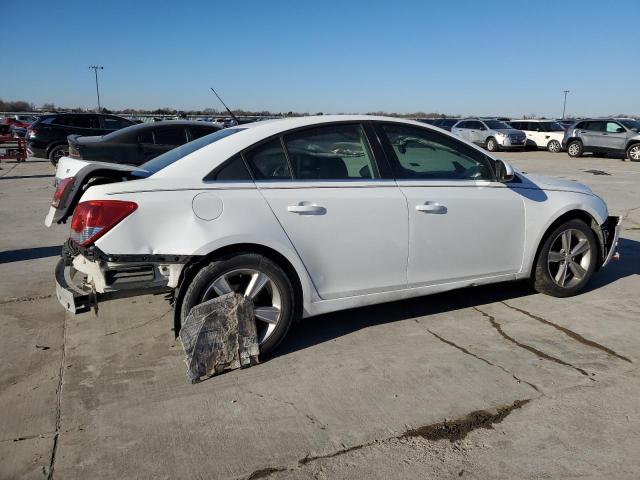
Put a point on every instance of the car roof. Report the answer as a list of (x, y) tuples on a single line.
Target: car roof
[(251, 133)]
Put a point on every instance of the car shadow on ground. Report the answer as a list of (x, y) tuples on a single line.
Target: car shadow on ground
[(9, 256), (323, 328)]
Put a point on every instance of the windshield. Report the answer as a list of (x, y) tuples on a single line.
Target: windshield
[(496, 125), (172, 156), (632, 125)]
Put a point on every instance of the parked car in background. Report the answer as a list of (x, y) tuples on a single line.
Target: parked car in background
[(138, 144), (16, 121), (47, 137), (290, 213), (604, 135), (541, 133), (494, 135), (446, 123)]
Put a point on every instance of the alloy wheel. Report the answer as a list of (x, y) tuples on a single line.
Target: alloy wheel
[(258, 287), (554, 146), (574, 149), (569, 258), (634, 153)]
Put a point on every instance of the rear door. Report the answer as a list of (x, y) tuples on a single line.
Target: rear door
[(347, 223), (592, 134), (462, 223)]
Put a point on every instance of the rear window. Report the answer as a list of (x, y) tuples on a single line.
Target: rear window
[(172, 156)]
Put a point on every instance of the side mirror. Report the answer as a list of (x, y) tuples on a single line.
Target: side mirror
[(504, 171)]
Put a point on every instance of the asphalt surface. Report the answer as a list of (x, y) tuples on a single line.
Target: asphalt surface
[(492, 382)]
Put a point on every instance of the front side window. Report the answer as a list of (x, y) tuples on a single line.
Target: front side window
[(426, 155), (85, 121), (333, 152), (614, 127), (268, 161)]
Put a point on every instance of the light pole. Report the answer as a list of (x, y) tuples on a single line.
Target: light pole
[(564, 107), (95, 70)]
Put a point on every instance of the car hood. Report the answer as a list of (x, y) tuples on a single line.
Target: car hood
[(551, 183)]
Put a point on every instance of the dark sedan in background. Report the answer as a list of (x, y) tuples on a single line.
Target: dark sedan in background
[(137, 144)]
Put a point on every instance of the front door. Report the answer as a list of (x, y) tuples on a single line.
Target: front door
[(347, 224), (614, 137), (462, 223)]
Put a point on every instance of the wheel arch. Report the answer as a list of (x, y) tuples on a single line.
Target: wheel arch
[(54, 144), (191, 269), (573, 214)]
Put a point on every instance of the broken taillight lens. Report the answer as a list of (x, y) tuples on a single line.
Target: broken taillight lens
[(62, 188), (94, 218)]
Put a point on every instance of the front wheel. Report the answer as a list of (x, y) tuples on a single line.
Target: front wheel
[(566, 260), (575, 149), (255, 277), (554, 146), (633, 152), (57, 153), (492, 145)]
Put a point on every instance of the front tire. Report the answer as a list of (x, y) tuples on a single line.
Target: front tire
[(255, 276), (57, 153), (633, 152), (554, 146), (492, 144), (575, 149), (566, 260)]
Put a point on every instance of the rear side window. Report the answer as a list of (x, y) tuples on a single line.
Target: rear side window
[(268, 161), (197, 132), (335, 152), (594, 126), (170, 136), (146, 137), (232, 169), (88, 121)]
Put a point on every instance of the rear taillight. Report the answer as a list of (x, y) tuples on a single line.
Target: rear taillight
[(94, 218), (62, 188), (31, 132), (73, 151)]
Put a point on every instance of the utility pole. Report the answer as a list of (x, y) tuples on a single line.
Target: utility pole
[(95, 70), (564, 107)]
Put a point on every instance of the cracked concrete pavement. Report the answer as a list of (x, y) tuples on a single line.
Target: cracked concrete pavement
[(492, 382)]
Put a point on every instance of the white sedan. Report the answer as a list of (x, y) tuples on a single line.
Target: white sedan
[(316, 214)]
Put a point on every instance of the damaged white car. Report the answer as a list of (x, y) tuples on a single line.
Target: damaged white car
[(317, 214)]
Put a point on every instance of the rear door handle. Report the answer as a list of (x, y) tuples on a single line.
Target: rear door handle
[(432, 208), (306, 209)]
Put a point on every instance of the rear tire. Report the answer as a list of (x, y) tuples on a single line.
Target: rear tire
[(575, 149), (58, 152), (554, 146), (236, 273), (492, 144), (633, 152), (560, 271)]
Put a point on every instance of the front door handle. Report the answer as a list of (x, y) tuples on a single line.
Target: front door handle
[(432, 208), (307, 209)]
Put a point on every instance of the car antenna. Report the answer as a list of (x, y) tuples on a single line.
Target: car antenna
[(225, 106)]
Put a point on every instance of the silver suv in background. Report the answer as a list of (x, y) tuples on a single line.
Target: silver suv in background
[(494, 135), (620, 136)]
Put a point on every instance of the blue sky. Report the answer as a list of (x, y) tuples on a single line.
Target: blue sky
[(460, 57)]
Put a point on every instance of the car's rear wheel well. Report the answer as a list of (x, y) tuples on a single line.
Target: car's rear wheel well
[(191, 269), (565, 217), (53, 145)]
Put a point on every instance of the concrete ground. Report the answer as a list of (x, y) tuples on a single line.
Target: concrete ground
[(493, 382)]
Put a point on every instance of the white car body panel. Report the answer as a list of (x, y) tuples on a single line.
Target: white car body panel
[(371, 246)]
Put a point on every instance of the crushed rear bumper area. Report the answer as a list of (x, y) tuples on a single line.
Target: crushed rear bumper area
[(86, 278)]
